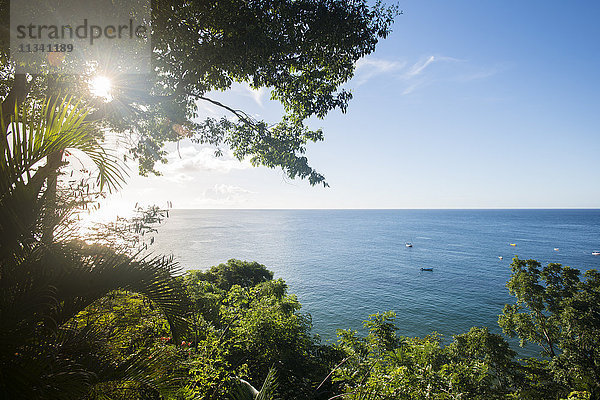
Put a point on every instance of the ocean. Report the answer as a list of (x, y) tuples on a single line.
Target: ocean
[(346, 264)]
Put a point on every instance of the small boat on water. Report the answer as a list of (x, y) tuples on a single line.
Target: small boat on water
[(556, 249), (596, 253), (427, 269), (500, 257), (408, 244), (513, 244)]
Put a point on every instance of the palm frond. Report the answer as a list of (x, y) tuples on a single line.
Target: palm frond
[(244, 391), (267, 391), (45, 283), (90, 272), (34, 133)]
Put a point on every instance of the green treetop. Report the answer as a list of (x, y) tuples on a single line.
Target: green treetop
[(561, 313)]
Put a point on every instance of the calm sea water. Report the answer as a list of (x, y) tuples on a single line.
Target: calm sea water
[(346, 264)]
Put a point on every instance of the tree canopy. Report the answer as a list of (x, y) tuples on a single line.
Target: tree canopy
[(235, 272), (560, 312), (304, 51)]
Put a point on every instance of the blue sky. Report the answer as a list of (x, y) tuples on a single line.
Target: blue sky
[(468, 104)]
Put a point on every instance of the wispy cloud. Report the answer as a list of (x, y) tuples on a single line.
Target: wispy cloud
[(479, 74), (208, 110), (258, 95), (367, 68), (411, 88), (417, 77), (414, 75), (418, 67)]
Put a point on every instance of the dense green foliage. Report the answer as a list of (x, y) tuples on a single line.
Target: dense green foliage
[(244, 333), (261, 327), (555, 309), (235, 272), (560, 312), (477, 365), (239, 333)]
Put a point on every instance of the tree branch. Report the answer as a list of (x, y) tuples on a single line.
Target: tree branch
[(238, 113), (16, 96)]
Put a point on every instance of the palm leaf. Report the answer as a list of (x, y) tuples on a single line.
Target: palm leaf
[(44, 284), (35, 133), (267, 391), (244, 391)]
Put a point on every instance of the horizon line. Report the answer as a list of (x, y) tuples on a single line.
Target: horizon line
[(395, 209)]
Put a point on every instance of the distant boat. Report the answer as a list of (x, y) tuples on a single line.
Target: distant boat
[(427, 269), (500, 257), (596, 253), (513, 244), (408, 244), (556, 249)]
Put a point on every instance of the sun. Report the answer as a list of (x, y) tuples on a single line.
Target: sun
[(101, 86)]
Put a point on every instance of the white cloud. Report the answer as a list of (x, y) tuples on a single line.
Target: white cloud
[(223, 195), (192, 159), (411, 76), (258, 95), (222, 191), (418, 67), (411, 88), (180, 178), (367, 68), (207, 109)]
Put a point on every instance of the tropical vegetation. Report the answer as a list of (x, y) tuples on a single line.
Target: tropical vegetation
[(66, 328), (83, 318), (91, 315)]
